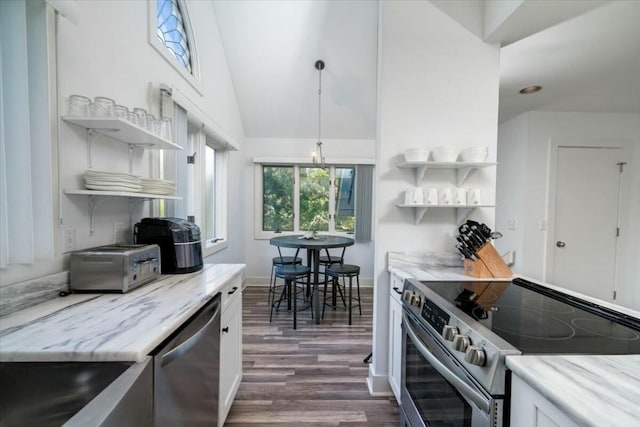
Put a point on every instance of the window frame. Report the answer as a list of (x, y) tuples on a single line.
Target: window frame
[(260, 233), (198, 187), (193, 78)]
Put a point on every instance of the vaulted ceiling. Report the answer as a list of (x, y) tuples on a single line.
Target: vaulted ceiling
[(585, 54)]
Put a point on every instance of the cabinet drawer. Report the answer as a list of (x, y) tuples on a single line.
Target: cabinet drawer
[(395, 287), (230, 292)]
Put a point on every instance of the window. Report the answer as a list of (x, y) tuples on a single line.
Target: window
[(302, 198), (171, 31), (277, 198), (215, 194), (201, 174), (171, 35)]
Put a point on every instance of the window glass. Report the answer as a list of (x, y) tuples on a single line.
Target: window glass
[(345, 199), (314, 199), (277, 198), (210, 192), (171, 31)]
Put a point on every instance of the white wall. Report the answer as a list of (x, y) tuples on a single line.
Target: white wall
[(107, 53), (259, 252), (438, 85), (537, 129), (511, 180)]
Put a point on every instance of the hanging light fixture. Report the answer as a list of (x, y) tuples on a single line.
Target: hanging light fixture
[(318, 157)]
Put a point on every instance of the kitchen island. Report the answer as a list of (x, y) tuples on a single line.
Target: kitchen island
[(591, 390)]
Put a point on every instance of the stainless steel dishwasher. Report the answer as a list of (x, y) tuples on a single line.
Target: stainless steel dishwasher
[(186, 371)]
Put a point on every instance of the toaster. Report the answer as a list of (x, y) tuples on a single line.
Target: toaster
[(114, 268), (179, 242)]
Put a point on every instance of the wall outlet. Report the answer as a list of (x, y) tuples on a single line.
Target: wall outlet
[(68, 240), (512, 224), (120, 233), (542, 225)]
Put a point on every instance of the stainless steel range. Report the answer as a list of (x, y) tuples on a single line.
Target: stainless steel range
[(456, 336)]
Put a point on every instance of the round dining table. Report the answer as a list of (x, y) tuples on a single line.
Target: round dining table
[(313, 246)]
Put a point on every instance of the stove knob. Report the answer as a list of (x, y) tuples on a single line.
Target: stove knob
[(461, 342), (448, 332), (417, 301), (407, 295), (475, 355)]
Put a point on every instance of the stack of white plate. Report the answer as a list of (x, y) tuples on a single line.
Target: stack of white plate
[(112, 181), (159, 186)]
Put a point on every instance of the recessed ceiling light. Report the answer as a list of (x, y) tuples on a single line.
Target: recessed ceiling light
[(530, 89)]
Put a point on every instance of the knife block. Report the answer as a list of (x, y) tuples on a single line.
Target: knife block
[(489, 264)]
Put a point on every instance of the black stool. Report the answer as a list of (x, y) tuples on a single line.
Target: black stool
[(337, 271), (278, 261), (326, 261), (291, 273)]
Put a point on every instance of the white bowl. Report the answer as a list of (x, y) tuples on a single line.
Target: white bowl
[(444, 154), (416, 155), (474, 154)]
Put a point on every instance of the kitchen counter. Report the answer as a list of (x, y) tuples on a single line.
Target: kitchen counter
[(428, 266), (591, 390), (110, 327)]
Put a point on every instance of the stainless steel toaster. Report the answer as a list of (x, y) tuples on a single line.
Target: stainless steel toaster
[(114, 268)]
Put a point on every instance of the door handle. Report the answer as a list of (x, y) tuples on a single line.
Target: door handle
[(191, 341), (560, 244), (398, 291)]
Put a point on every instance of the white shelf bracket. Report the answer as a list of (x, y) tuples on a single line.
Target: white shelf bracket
[(91, 137), (93, 203), (420, 171), (419, 214), (462, 174)]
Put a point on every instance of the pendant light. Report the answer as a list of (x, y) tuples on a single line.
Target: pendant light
[(318, 157)]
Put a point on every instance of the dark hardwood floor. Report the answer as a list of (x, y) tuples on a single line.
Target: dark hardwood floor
[(312, 376)]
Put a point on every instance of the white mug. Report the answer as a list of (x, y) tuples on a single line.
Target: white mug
[(413, 196), (445, 196), (474, 197), (460, 196), (431, 196)]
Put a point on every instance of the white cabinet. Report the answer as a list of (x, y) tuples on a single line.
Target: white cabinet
[(531, 409), (463, 169), (230, 347), (395, 335)]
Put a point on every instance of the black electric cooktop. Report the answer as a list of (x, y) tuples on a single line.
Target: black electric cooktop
[(536, 319)]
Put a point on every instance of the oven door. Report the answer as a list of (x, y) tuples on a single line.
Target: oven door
[(436, 389)]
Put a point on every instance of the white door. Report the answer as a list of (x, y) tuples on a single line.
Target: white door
[(586, 220)]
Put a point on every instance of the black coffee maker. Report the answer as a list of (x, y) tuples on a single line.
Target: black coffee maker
[(179, 241)]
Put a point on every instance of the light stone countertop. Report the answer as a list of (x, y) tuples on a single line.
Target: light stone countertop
[(110, 327), (592, 390), (428, 266)]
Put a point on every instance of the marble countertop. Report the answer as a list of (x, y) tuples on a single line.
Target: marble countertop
[(428, 266), (110, 327), (591, 390)]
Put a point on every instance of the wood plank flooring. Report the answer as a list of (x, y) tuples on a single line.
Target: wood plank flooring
[(312, 376)]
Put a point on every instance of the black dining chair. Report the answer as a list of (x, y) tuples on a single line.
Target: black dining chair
[(293, 274)]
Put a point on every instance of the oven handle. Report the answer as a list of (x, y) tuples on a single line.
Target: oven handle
[(463, 388)]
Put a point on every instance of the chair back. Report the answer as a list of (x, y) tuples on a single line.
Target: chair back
[(344, 248), (281, 257)]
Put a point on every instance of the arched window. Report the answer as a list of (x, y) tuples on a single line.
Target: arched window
[(171, 31)]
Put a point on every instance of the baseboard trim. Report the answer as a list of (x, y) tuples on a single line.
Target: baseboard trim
[(378, 384), (365, 282)]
